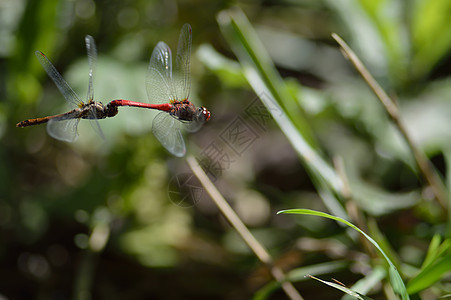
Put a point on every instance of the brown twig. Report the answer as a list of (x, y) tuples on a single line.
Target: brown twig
[(424, 165), (258, 249)]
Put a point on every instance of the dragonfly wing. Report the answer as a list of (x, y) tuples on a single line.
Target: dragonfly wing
[(92, 58), (182, 80), (167, 130), (95, 123), (96, 126), (193, 126), (201, 116), (159, 84), (63, 129), (62, 85)]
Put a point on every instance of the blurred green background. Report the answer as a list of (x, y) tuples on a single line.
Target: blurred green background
[(96, 219)]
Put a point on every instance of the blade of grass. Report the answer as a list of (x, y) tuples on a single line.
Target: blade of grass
[(424, 165), (447, 155), (395, 278), (341, 288), (436, 263), (269, 86), (251, 53), (433, 250), (383, 242), (370, 280), (430, 275), (258, 249), (298, 275)]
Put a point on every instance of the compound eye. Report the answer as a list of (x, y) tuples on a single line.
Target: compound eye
[(203, 114)]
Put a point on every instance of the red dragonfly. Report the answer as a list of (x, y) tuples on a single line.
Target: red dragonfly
[(169, 89), (64, 126)]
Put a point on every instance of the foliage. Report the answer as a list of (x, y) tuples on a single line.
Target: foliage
[(94, 218), (395, 278)]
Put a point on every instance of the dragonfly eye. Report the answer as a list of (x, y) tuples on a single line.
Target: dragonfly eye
[(203, 114)]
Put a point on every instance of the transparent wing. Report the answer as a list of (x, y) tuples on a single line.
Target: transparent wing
[(182, 80), (167, 130), (98, 130), (63, 129), (193, 126), (94, 122), (201, 116), (159, 75), (92, 58), (65, 89)]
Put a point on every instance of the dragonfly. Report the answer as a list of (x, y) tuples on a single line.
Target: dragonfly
[(64, 126), (168, 91)]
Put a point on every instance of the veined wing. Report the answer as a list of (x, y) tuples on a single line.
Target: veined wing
[(92, 116), (92, 58), (159, 83), (181, 76), (64, 128), (96, 127), (193, 126), (167, 130), (62, 85)]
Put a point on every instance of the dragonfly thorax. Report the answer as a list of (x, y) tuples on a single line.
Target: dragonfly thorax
[(97, 110), (184, 111)]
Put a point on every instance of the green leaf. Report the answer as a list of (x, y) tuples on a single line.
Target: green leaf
[(431, 34), (436, 263), (298, 275), (35, 31), (370, 280), (378, 36), (395, 278), (430, 275), (382, 241), (342, 288), (273, 92), (229, 71), (432, 250)]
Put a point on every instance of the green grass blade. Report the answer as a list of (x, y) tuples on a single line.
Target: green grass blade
[(299, 274), (429, 275), (269, 86), (447, 155), (395, 278), (436, 263), (432, 250), (364, 285), (431, 35), (341, 288), (382, 241)]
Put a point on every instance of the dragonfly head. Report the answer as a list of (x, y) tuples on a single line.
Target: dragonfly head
[(203, 114)]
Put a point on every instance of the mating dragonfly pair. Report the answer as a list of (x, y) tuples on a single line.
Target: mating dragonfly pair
[(167, 89)]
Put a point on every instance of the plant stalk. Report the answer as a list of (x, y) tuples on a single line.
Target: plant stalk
[(258, 249), (424, 165)]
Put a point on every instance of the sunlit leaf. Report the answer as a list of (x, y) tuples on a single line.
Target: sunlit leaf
[(431, 34), (269, 86), (299, 274), (395, 278), (430, 275), (342, 288)]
